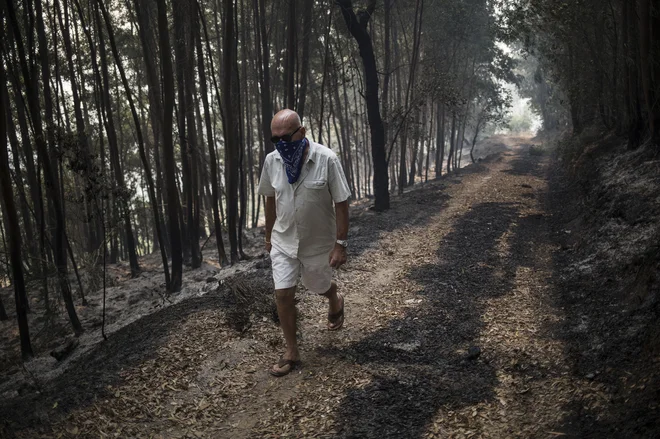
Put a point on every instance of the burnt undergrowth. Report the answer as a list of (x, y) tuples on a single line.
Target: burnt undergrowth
[(606, 280)]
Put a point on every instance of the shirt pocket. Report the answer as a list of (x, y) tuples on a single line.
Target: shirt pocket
[(315, 184), (315, 189)]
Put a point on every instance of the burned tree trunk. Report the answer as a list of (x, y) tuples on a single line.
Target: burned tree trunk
[(13, 229), (357, 25)]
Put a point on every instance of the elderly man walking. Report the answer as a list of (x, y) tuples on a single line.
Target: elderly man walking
[(306, 225)]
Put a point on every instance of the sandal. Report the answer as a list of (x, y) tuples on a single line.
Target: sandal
[(293, 364), (336, 320)]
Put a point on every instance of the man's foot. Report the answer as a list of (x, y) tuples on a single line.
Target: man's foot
[(284, 367), (336, 319)]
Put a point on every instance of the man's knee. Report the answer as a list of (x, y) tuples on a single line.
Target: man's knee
[(332, 290), (285, 296)]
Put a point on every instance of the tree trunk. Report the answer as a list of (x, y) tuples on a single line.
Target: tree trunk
[(3, 312), (149, 46), (13, 230), (357, 25), (52, 185), (645, 65), (231, 106), (291, 55), (140, 140), (428, 149), (33, 254), (387, 10), (304, 70), (222, 256), (121, 203), (450, 156), (168, 148), (266, 100), (326, 43), (242, 191), (83, 156), (474, 140), (415, 151)]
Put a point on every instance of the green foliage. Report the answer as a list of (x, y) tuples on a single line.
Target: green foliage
[(546, 97), (520, 123)]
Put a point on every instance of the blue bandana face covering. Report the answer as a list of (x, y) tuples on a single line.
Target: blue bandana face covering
[(292, 156)]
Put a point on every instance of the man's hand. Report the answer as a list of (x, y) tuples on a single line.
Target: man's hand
[(337, 256), (269, 246)]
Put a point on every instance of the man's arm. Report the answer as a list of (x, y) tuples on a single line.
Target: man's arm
[(341, 211), (271, 215), (338, 255)]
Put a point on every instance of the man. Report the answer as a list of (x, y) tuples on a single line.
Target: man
[(305, 233)]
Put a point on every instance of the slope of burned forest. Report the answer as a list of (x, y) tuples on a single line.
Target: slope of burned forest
[(609, 285)]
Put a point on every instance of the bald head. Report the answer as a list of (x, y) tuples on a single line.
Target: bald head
[(285, 122)]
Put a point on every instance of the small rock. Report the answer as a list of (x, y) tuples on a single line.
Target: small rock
[(473, 353), (407, 347), (590, 376)]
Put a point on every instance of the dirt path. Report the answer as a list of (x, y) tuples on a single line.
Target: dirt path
[(450, 332)]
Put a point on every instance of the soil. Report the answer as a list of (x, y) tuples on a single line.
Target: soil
[(467, 315)]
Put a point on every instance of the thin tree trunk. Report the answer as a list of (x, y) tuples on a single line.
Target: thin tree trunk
[(450, 155), (304, 71), (415, 151), (140, 142), (50, 176), (266, 100), (168, 149), (326, 42), (33, 254), (645, 66), (194, 209), (440, 140), (120, 203), (428, 149), (3, 313), (13, 230), (387, 11), (242, 191), (222, 256), (291, 55), (83, 153), (231, 96)]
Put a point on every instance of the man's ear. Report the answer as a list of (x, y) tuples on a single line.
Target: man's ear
[(303, 130)]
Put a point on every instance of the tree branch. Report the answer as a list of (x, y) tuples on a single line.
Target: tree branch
[(361, 19)]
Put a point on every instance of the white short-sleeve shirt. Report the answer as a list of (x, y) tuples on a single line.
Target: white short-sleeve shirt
[(305, 224)]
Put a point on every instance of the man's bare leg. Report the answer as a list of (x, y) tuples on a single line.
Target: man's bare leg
[(335, 300), (286, 310)]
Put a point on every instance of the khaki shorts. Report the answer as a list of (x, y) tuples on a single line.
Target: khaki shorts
[(316, 271)]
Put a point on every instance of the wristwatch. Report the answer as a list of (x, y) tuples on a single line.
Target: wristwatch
[(342, 242)]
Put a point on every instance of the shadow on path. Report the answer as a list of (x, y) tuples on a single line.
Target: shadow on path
[(367, 225), (418, 362)]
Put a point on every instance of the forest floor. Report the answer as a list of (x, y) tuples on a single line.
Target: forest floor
[(468, 314)]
